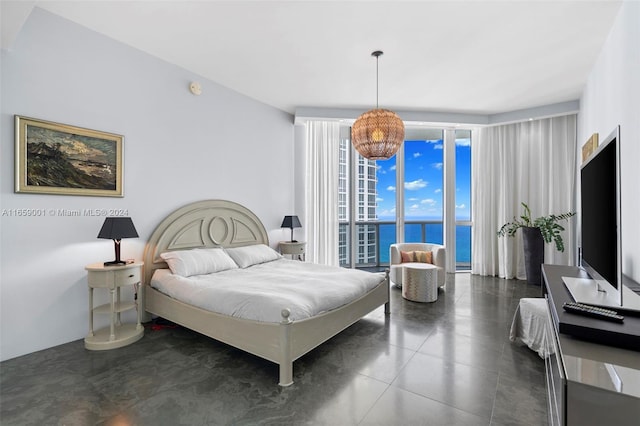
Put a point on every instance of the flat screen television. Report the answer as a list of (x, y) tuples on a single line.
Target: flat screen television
[(600, 213), (600, 225)]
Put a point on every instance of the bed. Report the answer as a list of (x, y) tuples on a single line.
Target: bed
[(222, 223)]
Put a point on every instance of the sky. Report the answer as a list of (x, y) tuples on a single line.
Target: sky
[(423, 183)]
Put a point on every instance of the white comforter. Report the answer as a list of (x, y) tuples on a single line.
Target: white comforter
[(260, 292)]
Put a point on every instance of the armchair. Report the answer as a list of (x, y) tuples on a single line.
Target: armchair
[(395, 260)]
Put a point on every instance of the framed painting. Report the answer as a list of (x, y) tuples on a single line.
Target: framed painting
[(590, 146), (53, 158)]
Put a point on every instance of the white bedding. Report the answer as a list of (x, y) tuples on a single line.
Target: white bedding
[(529, 326), (260, 292)]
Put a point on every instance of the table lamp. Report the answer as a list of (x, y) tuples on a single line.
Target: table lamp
[(291, 222), (116, 228)]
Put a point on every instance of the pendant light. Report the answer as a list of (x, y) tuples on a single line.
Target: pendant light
[(377, 134)]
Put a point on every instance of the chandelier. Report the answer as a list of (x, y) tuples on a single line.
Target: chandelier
[(377, 134)]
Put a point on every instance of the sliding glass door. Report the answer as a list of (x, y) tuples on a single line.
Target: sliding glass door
[(403, 198)]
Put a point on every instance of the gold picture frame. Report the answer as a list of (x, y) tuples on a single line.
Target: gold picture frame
[(54, 158), (589, 147)]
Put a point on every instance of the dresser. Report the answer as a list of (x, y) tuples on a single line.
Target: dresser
[(587, 383)]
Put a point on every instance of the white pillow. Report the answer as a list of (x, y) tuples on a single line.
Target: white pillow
[(198, 261), (253, 255)]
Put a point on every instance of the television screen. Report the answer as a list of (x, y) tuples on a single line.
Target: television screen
[(600, 215), (601, 234)]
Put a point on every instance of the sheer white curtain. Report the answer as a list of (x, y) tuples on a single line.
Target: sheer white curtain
[(321, 191), (533, 162)]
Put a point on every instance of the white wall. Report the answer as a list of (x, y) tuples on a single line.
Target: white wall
[(178, 148), (612, 97)]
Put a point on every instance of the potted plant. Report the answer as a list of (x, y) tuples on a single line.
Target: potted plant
[(535, 233)]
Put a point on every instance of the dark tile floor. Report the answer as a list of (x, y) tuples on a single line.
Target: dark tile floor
[(444, 363)]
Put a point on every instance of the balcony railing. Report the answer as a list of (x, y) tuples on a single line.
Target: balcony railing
[(374, 238)]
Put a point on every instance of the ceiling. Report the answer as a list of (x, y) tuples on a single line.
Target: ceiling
[(473, 57)]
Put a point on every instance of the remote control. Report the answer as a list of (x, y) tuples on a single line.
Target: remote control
[(592, 311)]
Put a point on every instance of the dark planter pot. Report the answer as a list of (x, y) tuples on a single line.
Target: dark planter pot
[(533, 254)]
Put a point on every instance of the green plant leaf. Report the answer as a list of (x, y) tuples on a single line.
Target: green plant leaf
[(548, 225)]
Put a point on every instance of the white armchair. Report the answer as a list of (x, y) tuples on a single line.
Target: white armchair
[(395, 260)]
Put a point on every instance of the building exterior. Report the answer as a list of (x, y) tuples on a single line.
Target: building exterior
[(365, 204)]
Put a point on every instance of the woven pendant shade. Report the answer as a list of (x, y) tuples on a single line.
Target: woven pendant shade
[(377, 134)]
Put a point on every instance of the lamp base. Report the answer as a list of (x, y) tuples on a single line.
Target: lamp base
[(115, 263)]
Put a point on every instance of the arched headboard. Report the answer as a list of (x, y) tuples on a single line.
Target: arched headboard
[(203, 224)]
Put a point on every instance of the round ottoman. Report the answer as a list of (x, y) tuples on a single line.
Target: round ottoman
[(420, 282)]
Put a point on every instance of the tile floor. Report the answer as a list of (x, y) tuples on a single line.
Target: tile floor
[(444, 363)]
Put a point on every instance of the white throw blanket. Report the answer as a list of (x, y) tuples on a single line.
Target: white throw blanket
[(260, 292), (529, 326)]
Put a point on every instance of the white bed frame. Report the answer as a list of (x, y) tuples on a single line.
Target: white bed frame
[(221, 223)]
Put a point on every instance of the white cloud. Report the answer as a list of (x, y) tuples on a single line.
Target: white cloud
[(379, 200), (437, 166), (415, 185), (412, 199), (461, 206), (437, 190), (414, 207), (429, 201), (438, 146), (417, 154), (463, 142), (392, 168), (391, 188)]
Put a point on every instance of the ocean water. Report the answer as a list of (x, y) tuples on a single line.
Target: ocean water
[(434, 234)]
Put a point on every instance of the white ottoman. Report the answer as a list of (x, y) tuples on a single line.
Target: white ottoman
[(420, 282), (530, 325)]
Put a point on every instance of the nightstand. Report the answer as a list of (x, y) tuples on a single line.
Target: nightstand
[(296, 249), (112, 278)]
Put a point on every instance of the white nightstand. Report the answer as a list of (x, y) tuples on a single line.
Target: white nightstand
[(295, 249), (112, 278)]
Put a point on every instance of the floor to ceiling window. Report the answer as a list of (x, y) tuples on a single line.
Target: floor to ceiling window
[(368, 209), (343, 202), (463, 200), (423, 185), (358, 208), (386, 206)]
